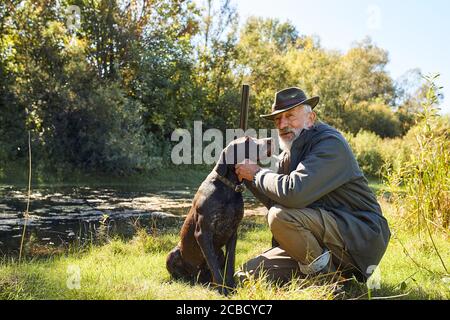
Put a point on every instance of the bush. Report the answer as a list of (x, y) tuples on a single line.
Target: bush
[(420, 185), (375, 117), (376, 155), (101, 131), (366, 147)]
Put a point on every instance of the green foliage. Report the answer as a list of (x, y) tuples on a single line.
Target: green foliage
[(262, 49), (107, 96), (419, 186), (218, 81), (81, 93), (366, 147), (13, 135), (374, 117), (354, 87)]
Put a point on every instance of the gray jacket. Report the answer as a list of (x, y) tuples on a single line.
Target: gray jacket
[(325, 174)]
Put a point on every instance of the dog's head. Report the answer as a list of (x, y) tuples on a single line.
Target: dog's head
[(265, 147), (247, 148)]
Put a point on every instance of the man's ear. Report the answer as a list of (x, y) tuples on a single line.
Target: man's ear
[(313, 117)]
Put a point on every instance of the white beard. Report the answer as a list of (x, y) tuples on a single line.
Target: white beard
[(286, 145)]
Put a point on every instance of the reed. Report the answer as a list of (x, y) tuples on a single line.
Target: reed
[(26, 215), (419, 188)]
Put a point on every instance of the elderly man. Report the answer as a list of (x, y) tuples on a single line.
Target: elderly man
[(322, 214)]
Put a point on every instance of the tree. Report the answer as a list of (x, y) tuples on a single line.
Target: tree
[(12, 117), (165, 81), (79, 94), (343, 81), (215, 72), (262, 49)]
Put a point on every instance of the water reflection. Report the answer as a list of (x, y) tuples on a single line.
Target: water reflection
[(59, 216)]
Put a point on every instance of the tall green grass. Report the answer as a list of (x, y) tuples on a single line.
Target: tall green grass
[(135, 269), (419, 188)]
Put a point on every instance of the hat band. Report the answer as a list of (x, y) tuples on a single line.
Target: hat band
[(287, 103)]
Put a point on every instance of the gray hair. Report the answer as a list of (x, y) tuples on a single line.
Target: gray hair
[(307, 108)]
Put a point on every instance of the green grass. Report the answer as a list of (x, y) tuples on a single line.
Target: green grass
[(135, 269), (376, 185)]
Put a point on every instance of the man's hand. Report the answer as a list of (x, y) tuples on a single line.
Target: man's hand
[(247, 170)]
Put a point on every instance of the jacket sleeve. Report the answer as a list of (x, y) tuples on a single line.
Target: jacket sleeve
[(325, 168)]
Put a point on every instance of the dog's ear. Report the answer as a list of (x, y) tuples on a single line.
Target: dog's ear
[(247, 147), (222, 167)]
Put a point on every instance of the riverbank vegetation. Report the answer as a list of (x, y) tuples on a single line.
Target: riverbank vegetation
[(135, 269), (102, 90), (101, 98)]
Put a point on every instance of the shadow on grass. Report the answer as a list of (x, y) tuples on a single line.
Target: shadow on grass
[(358, 290)]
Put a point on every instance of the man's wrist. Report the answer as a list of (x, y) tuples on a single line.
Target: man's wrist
[(256, 173)]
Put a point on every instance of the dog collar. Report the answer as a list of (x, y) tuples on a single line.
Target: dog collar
[(236, 187)]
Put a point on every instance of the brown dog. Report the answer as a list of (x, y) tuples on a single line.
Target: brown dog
[(212, 222)]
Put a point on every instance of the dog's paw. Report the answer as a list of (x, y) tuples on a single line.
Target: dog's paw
[(225, 290)]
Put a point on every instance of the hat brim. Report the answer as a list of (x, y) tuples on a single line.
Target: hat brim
[(311, 102)]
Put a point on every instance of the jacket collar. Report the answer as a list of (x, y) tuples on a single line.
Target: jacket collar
[(307, 134)]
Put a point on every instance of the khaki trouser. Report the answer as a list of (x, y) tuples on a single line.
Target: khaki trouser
[(302, 235)]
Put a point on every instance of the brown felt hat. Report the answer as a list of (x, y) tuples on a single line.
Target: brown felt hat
[(288, 99)]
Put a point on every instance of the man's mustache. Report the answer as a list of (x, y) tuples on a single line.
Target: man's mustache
[(286, 130)]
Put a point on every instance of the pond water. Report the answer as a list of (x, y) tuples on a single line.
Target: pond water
[(61, 215)]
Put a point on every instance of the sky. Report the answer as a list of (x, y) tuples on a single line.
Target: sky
[(416, 33)]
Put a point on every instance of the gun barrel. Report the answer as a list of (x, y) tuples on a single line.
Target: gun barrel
[(244, 106)]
